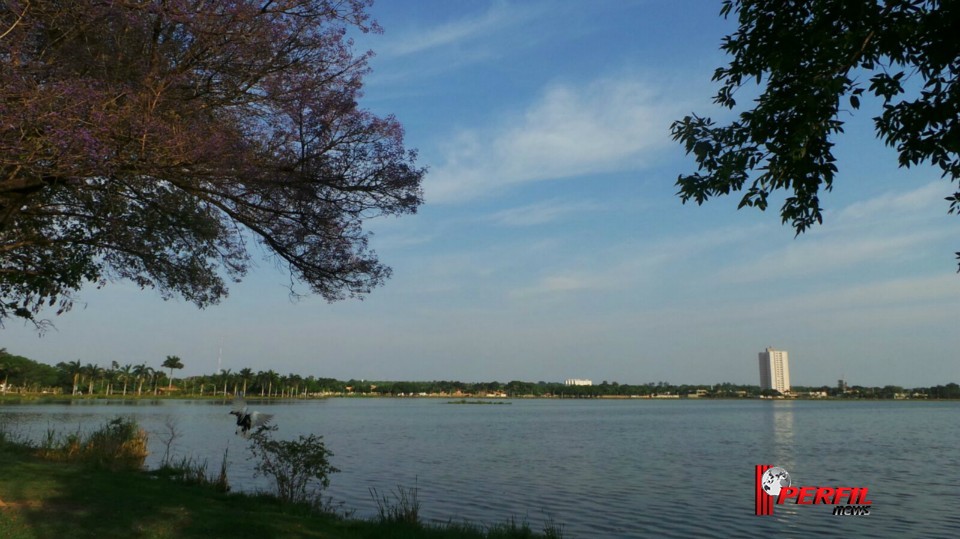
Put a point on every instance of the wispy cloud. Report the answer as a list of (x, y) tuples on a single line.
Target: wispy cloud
[(925, 198), (562, 284), (818, 255), (892, 226), (543, 212), (605, 126), (500, 16)]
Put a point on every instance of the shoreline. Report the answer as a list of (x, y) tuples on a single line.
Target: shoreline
[(48, 398)]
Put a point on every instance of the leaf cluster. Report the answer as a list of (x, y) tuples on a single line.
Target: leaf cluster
[(816, 59)]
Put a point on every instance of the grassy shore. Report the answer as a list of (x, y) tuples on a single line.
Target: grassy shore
[(42, 496)]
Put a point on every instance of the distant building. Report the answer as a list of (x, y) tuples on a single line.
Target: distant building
[(774, 370), (578, 382)]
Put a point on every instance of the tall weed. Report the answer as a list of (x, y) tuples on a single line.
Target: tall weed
[(119, 444)]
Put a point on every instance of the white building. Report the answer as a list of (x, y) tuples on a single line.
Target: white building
[(775, 370), (578, 382)]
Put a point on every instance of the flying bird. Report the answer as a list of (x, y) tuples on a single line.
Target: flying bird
[(247, 418)]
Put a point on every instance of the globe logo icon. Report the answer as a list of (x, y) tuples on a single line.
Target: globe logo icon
[(774, 479)]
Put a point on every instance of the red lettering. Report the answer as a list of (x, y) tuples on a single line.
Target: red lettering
[(806, 492), (786, 492), (823, 495), (841, 491)]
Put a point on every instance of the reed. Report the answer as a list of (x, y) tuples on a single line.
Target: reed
[(118, 444)]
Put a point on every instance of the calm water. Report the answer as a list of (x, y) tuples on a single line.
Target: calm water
[(600, 468)]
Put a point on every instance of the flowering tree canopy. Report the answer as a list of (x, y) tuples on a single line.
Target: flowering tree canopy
[(154, 140), (815, 59)]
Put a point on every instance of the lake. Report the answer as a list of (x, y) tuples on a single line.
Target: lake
[(599, 468)]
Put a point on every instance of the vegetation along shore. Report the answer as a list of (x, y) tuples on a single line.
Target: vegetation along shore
[(24, 377), (94, 486)]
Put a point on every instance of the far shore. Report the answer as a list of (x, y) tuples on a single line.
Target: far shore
[(20, 397)]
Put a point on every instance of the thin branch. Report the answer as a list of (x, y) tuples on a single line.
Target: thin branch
[(16, 22)]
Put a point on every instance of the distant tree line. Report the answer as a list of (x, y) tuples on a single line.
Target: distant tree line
[(23, 375)]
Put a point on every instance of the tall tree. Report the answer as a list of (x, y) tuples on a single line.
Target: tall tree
[(172, 362), (814, 60), (245, 374), (90, 371), (5, 368), (155, 140), (124, 374), (75, 370), (142, 373)]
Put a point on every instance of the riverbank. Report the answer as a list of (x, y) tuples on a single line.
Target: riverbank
[(41, 499)]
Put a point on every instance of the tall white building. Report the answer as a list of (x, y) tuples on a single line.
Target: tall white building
[(774, 370)]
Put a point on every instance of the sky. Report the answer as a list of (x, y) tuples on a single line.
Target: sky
[(552, 244)]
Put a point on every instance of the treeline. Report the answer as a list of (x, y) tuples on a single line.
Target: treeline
[(22, 375)]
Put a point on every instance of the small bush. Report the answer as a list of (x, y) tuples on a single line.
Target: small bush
[(300, 468), (193, 472), (118, 444)]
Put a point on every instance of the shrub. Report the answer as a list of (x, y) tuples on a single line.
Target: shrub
[(194, 472), (300, 468), (118, 444)]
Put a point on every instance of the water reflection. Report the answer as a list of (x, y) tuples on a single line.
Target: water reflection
[(782, 424)]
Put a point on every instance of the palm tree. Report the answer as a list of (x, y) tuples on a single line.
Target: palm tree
[(76, 369), (294, 380), (172, 362), (262, 381), (142, 372), (225, 378), (155, 375), (90, 372), (246, 375), (5, 369), (111, 375), (124, 375), (271, 377)]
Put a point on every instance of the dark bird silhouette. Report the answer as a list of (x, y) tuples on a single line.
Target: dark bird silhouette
[(247, 418)]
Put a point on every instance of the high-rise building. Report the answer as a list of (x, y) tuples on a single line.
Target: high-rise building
[(774, 370)]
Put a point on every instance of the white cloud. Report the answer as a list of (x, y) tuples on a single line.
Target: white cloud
[(890, 227), (557, 284), (541, 213), (817, 255), (606, 126), (498, 17), (926, 198)]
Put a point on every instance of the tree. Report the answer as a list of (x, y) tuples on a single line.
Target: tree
[(142, 372), (5, 368), (245, 374), (155, 141), (124, 373), (172, 362), (75, 370), (815, 59)]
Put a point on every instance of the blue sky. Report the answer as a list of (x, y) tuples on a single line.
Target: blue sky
[(552, 244)]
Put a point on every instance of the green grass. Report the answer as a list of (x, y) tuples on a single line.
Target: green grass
[(41, 499)]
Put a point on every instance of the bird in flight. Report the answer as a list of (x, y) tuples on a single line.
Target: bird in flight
[(247, 418)]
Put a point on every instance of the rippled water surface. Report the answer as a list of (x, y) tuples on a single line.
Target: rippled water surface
[(599, 468)]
